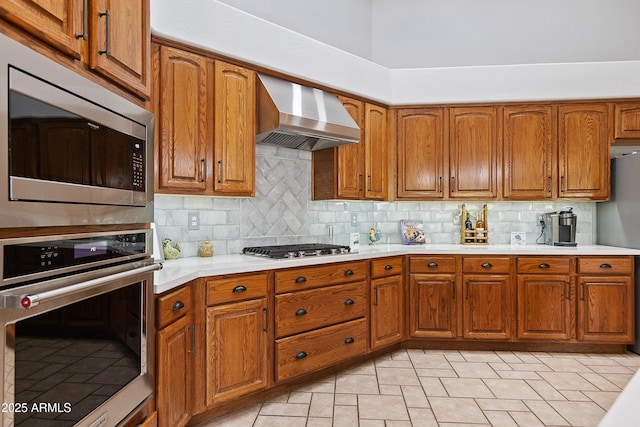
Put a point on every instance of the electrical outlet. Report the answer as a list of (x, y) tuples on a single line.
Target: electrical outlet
[(540, 219), (354, 218), (194, 221)]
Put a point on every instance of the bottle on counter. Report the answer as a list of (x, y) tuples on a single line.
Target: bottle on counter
[(480, 228), (468, 225)]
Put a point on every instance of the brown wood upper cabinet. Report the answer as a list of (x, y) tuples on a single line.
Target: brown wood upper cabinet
[(583, 150), (112, 37), (355, 171), (421, 153), (473, 152), (205, 110), (626, 118), (529, 147)]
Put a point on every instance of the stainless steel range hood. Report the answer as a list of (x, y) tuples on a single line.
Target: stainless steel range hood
[(296, 116)]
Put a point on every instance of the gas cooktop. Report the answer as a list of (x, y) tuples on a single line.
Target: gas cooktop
[(296, 251)]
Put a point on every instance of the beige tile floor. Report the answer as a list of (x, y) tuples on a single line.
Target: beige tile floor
[(415, 388)]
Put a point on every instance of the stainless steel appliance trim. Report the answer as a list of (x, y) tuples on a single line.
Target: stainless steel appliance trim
[(59, 192)]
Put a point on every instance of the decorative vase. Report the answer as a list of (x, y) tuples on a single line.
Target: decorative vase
[(206, 249)]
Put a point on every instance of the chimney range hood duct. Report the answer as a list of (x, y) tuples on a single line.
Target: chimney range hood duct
[(295, 116)]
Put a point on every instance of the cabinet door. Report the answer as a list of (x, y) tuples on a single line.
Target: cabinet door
[(627, 121), (584, 151), (236, 349), (57, 23), (421, 145), (120, 42), (183, 107), (529, 152), (174, 348), (605, 309), (487, 307), (235, 130), (433, 311), (473, 152), (544, 307), (386, 311), (350, 169), (375, 164)]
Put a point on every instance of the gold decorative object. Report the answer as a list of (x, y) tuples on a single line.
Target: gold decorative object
[(206, 249), (474, 235)]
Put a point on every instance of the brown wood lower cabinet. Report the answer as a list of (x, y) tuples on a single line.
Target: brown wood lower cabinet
[(487, 307), (386, 304), (544, 307), (434, 306)]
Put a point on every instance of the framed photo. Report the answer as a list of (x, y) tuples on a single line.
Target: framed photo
[(518, 237), (412, 232)]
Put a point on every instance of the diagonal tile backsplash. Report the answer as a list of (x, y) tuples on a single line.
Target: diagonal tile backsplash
[(282, 212)]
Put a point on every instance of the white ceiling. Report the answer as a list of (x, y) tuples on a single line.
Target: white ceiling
[(458, 33)]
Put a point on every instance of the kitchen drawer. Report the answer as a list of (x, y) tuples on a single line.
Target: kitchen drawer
[(605, 265), (172, 306), (312, 277), (311, 351), (486, 264), (432, 264), (236, 288), (545, 265), (384, 267), (314, 308)]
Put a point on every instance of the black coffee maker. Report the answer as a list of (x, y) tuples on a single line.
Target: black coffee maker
[(560, 228)]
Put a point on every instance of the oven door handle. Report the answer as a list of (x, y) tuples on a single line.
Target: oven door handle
[(30, 301)]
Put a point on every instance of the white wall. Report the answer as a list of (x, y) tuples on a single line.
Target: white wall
[(221, 28)]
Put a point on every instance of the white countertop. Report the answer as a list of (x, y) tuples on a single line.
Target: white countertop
[(182, 270), (624, 411)]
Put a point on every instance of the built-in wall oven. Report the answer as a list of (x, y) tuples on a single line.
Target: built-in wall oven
[(76, 272)]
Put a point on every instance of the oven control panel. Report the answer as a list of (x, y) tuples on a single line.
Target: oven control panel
[(26, 257)]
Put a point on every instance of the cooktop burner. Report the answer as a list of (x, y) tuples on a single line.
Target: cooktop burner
[(295, 251)]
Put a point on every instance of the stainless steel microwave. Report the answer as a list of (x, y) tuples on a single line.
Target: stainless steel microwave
[(71, 151)]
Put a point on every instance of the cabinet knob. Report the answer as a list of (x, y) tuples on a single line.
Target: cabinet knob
[(349, 341), (388, 267), (301, 312), (239, 288), (301, 355), (349, 302), (178, 305), (487, 265), (544, 265), (349, 273), (605, 266), (301, 279), (432, 265)]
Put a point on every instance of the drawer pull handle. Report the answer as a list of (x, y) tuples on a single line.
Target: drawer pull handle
[(432, 265), (544, 265), (349, 273), (239, 288), (301, 312), (178, 305), (349, 341), (388, 267), (301, 355), (349, 302), (487, 265), (605, 266), (301, 279)]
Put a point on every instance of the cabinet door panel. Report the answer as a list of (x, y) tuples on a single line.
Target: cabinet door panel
[(487, 313), (182, 114), (237, 349), (528, 153), (605, 309), (434, 306), (119, 43), (375, 152), (584, 150), (544, 307), (421, 144), (386, 311), (350, 157), (473, 143), (235, 135), (627, 121)]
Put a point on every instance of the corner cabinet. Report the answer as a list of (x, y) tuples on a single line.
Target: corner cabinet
[(111, 37), (355, 171), (205, 137)]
